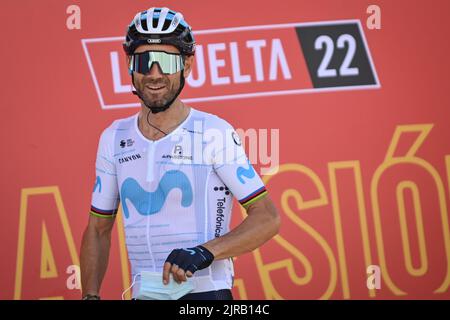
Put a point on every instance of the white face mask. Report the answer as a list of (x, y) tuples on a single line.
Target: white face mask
[(152, 287)]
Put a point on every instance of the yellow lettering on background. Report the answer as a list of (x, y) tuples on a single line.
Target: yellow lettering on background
[(25, 193), (240, 285), (301, 204), (123, 254), (355, 166), (48, 265), (409, 158), (52, 298), (402, 186)]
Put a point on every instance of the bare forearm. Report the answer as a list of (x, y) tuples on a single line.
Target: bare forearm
[(94, 259), (261, 224)]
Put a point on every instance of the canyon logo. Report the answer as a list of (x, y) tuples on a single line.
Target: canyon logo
[(247, 62)]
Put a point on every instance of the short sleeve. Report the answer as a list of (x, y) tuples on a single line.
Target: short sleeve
[(105, 195), (233, 167)]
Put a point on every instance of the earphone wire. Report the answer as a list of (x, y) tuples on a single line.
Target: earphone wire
[(148, 113), (165, 134)]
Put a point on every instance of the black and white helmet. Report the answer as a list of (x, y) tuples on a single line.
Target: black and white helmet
[(159, 26)]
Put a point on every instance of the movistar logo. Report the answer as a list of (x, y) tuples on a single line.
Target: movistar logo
[(98, 183), (248, 173), (191, 252), (148, 203)]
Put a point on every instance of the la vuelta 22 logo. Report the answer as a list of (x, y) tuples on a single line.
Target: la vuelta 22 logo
[(261, 60)]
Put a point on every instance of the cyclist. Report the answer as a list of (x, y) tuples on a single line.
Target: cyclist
[(175, 171)]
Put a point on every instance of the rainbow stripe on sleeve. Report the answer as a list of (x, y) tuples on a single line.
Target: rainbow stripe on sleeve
[(103, 213), (253, 197)]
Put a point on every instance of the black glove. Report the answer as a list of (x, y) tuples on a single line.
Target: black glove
[(191, 259)]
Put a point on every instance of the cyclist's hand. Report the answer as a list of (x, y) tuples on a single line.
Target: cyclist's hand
[(184, 262)]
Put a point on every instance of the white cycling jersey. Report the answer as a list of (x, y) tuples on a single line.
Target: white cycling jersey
[(175, 192)]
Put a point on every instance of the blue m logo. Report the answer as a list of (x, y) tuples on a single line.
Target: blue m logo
[(248, 173), (98, 183), (148, 203)]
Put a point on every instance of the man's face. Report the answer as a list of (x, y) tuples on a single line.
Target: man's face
[(155, 88)]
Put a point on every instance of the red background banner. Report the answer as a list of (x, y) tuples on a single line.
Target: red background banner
[(364, 174)]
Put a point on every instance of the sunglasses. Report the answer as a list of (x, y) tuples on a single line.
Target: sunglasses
[(168, 63)]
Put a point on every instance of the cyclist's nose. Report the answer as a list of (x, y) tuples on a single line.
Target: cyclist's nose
[(154, 71)]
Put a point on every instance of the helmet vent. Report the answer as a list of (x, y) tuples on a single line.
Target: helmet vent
[(155, 22), (144, 21), (166, 24)]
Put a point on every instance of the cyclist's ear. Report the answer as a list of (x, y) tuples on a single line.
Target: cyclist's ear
[(188, 62)]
